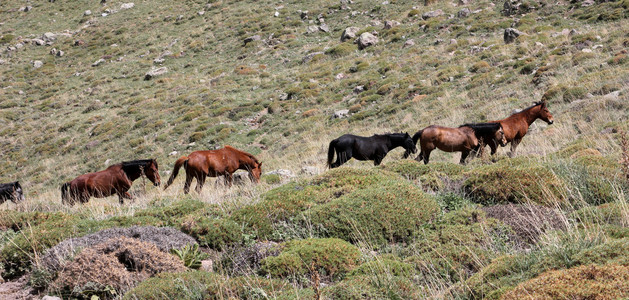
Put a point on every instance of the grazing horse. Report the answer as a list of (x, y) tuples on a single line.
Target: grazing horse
[(516, 126), (463, 139), (11, 191), (214, 163), (116, 179), (373, 148)]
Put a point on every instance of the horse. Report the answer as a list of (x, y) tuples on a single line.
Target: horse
[(11, 191), (214, 163), (464, 139), (516, 126), (373, 148), (116, 179)]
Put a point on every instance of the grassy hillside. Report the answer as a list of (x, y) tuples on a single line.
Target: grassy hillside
[(267, 77)]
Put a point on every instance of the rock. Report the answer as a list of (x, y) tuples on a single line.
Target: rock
[(390, 24), (432, 14), (87, 13), (38, 42), (586, 3), (313, 29), (612, 96), (37, 64), (2, 61), (252, 39), (127, 5), (282, 173), (19, 46), (538, 44), (303, 14), (309, 170), (309, 57), (453, 42), (339, 114), (50, 298), (511, 34), (155, 72), (367, 39), (464, 2), (26, 8), (79, 43), (98, 62), (409, 43), (586, 50), (173, 153), (324, 28), (276, 14), (609, 130), (206, 265), (359, 89), (463, 13), (349, 33), (200, 13)]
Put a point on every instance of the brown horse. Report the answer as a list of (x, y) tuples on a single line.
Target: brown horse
[(463, 139), (516, 126), (214, 163), (116, 179)]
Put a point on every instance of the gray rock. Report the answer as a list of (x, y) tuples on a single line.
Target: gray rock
[(463, 13), (349, 33), (432, 14), (50, 298), (586, 3), (313, 29), (173, 153), (98, 62), (324, 28), (127, 5), (464, 2), (37, 64), (390, 24), (309, 170), (511, 34), (359, 89), (276, 14), (19, 46), (26, 8), (367, 39), (49, 37), (2, 61), (282, 173), (206, 265), (38, 42), (612, 96), (252, 39), (303, 14), (409, 43), (155, 72), (200, 13), (87, 13), (453, 42), (339, 114)]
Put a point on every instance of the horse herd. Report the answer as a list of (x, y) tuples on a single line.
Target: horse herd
[(117, 179)]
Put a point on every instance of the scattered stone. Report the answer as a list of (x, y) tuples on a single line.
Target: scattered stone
[(586, 50), (206, 265), (597, 46), (155, 72), (359, 89), (313, 29), (38, 42), (19, 46), (276, 14), (283, 96), (26, 8), (409, 43), (375, 23), (173, 153), (367, 39), (349, 33), (339, 114), (324, 28), (390, 24), (511, 34), (87, 13), (50, 298), (37, 64), (432, 14), (2, 61), (453, 42), (127, 5), (573, 32), (303, 14), (252, 39), (438, 41), (282, 173), (463, 13), (586, 3), (200, 13), (309, 57), (609, 130), (538, 44), (612, 96), (309, 170), (79, 43), (464, 2), (98, 62)]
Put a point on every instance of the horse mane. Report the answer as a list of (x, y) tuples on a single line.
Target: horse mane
[(481, 129), (133, 165), (534, 104), (7, 186), (243, 153)]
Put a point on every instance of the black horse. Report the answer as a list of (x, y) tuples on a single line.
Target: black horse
[(373, 148), (11, 191)]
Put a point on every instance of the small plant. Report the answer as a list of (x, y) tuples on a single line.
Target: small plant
[(624, 160), (190, 255)]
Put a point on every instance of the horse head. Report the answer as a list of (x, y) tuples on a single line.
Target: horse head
[(151, 170), (255, 172), (544, 113), (410, 145), (500, 136)]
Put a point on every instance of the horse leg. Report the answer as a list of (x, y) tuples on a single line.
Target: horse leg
[(514, 144), (186, 185), (200, 182), (420, 156), (122, 196), (464, 155), (341, 158), (427, 156), (229, 179)]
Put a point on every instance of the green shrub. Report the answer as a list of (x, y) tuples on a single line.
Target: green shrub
[(341, 49), (574, 93), (330, 257), (593, 178), (172, 213), (608, 213), (512, 181), (185, 285), (190, 255), (377, 286), (384, 265), (271, 178), (213, 233), (480, 67), (612, 252)]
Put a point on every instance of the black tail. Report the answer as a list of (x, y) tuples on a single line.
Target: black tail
[(65, 191), (417, 135), (331, 152)]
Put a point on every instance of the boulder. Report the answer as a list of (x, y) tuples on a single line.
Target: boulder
[(309, 170), (324, 28), (98, 62), (87, 13), (349, 33), (127, 5), (409, 43), (313, 29), (511, 34), (37, 64), (390, 24), (155, 72), (432, 14), (367, 39), (339, 114), (38, 42)]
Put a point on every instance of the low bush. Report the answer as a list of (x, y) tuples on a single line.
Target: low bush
[(377, 286), (612, 252), (213, 233), (385, 265), (184, 285)]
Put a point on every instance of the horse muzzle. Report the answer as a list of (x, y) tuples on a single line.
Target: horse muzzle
[(156, 183), (550, 122)]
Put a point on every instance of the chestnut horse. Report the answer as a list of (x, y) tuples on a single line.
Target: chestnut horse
[(116, 179), (516, 126), (373, 148), (214, 163), (463, 139)]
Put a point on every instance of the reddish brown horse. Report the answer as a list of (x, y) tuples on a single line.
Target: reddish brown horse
[(116, 179), (214, 163), (517, 125), (463, 139)]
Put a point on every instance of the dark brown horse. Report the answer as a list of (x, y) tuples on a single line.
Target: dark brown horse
[(214, 163), (116, 179), (517, 125), (463, 139), (11, 191)]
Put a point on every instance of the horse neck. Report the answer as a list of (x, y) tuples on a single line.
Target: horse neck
[(133, 172), (394, 141), (532, 114)]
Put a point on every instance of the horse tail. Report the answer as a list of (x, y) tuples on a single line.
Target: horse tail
[(331, 149), (417, 135), (182, 161), (65, 191)]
